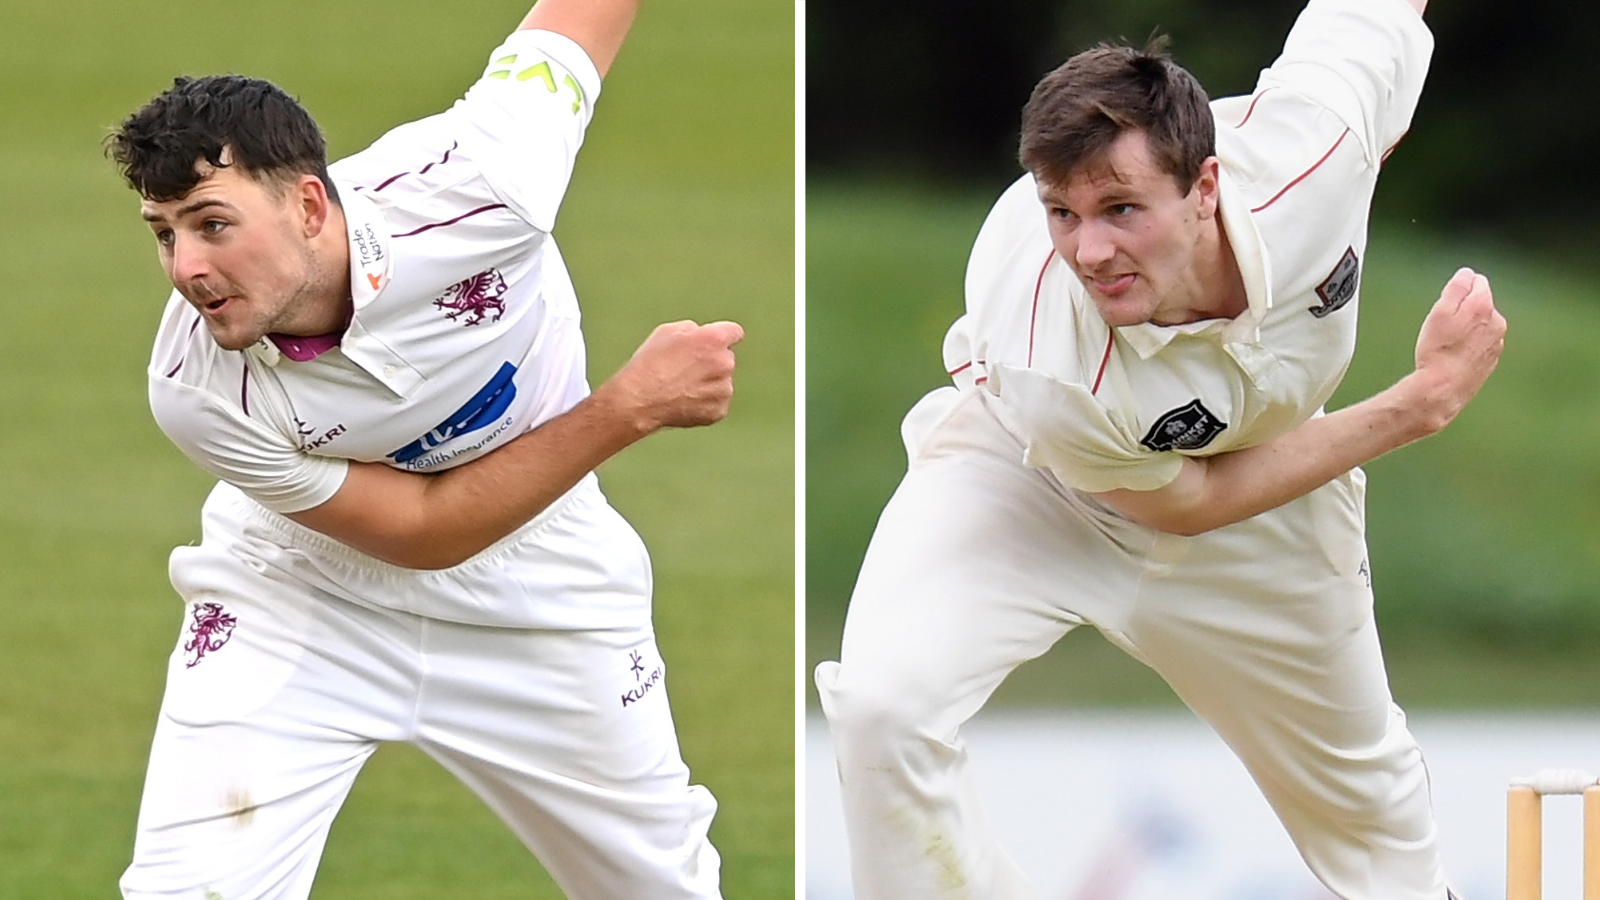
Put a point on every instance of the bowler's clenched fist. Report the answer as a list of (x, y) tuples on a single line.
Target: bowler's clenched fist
[(1459, 346), (680, 377)]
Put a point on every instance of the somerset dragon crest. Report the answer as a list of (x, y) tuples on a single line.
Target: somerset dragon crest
[(211, 628), (476, 298)]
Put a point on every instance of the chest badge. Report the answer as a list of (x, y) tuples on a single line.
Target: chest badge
[(1340, 285), (1189, 427), (478, 298)]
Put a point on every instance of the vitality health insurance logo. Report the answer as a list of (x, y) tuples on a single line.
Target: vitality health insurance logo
[(485, 408)]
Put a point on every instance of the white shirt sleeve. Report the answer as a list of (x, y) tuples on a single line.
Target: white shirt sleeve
[(525, 119), (196, 391), (1086, 445), (1364, 61)]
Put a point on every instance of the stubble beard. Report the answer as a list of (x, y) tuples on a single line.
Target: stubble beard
[(288, 315), (248, 322)]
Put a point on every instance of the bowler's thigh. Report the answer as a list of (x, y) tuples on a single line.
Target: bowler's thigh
[(275, 696), (978, 563)]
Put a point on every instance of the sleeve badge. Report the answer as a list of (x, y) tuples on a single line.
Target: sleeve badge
[(1340, 286)]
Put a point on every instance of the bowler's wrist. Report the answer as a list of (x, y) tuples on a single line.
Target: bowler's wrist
[(622, 411), (1420, 405)]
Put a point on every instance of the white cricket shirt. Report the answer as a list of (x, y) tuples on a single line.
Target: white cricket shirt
[(1107, 408), (465, 332)]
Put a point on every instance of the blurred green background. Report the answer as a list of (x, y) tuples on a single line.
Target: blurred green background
[(1501, 143), (681, 206), (1484, 540)]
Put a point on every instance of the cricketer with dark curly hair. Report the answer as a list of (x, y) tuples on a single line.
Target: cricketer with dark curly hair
[(261, 129), (1134, 440), (381, 362)]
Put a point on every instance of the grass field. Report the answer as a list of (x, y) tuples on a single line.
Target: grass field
[(1485, 553), (681, 207)]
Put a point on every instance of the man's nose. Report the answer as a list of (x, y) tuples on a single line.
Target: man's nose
[(190, 262), (1095, 245)]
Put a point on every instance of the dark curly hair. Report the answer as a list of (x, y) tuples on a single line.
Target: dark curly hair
[(264, 130), (1079, 109)]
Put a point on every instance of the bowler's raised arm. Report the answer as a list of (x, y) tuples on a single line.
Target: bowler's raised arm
[(598, 26)]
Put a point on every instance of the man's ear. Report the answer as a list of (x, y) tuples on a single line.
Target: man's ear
[(1207, 187), (312, 204)]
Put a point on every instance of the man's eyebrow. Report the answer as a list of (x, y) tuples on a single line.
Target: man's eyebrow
[(185, 210), (1052, 196), (1117, 195), (1114, 194)]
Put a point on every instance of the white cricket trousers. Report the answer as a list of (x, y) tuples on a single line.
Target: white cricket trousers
[(1263, 628), (282, 685)]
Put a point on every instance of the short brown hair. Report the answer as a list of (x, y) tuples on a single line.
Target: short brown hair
[(1077, 111), (268, 134)]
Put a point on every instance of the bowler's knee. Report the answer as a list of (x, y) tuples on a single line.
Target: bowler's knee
[(869, 714)]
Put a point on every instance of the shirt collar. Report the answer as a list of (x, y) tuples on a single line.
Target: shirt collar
[(305, 349), (1249, 253), (369, 274), (369, 247)]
